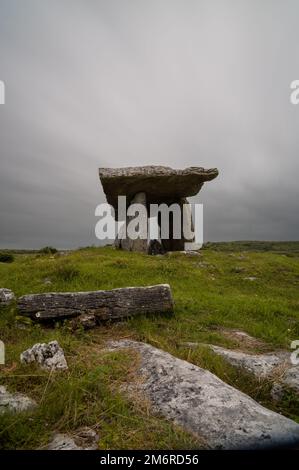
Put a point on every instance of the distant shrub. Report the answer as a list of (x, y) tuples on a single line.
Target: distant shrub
[(6, 257), (48, 250), (66, 272)]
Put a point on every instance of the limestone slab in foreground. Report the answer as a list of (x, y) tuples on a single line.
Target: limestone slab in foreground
[(204, 405)]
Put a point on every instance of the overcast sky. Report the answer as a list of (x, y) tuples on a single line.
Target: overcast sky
[(95, 83)]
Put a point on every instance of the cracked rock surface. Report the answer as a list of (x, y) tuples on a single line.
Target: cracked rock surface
[(48, 356), (204, 405)]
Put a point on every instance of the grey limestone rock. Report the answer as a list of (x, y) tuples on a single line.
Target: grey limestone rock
[(83, 439), (48, 356), (270, 365), (206, 406), (14, 402)]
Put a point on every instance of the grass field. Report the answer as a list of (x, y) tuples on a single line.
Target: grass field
[(248, 286)]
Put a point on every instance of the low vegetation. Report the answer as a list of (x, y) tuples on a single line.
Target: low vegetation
[(6, 257), (48, 250), (225, 287)]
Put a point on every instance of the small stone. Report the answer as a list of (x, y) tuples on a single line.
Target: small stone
[(260, 365), (48, 356), (238, 269), (87, 438), (190, 345), (6, 297), (203, 264), (192, 253), (63, 442), (14, 402), (84, 439), (250, 278), (194, 398)]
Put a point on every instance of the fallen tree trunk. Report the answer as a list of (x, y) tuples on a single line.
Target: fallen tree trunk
[(103, 304)]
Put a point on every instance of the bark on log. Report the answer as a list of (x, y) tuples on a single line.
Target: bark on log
[(103, 304)]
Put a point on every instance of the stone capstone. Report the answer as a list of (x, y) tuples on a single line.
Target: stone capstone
[(160, 183)]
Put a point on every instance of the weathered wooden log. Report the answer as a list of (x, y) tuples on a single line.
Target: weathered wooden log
[(103, 304)]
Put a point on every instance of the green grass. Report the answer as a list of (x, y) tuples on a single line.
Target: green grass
[(211, 292), (288, 248)]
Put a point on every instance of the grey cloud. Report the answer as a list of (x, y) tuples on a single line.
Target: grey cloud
[(125, 82)]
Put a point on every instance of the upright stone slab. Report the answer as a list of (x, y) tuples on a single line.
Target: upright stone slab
[(153, 185), (138, 244)]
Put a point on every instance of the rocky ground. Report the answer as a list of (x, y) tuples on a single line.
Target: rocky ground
[(217, 374)]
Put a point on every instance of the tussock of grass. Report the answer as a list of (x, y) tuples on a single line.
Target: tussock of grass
[(66, 272)]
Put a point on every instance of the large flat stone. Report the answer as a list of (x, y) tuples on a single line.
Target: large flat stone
[(206, 406), (160, 183)]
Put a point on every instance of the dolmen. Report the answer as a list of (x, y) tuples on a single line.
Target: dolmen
[(153, 185)]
